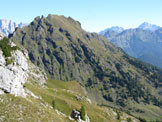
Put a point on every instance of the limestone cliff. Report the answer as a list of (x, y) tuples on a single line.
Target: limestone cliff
[(13, 76), (15, 71)]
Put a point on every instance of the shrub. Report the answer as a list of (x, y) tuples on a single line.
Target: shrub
[(118, 115), (77, 59), (6, 48), (83, 113), (129, 120), (142, 119), (9, 61), (53, 104)]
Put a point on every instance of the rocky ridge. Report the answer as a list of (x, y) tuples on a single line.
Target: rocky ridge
[(139, 43), (143, 42)]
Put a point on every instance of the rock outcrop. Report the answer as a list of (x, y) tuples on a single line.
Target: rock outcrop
[(15, 69), (13, 76), (76, 115)]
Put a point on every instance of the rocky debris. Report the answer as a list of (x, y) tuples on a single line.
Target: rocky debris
[(60, 113), (79, 98), (76, 115), (89, 101), (29, 93), (13, 76)]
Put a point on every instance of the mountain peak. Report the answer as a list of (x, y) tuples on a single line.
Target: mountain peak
[(113, 28), (148, 26)]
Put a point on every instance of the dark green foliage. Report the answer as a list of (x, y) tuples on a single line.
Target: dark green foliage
[(53, 104), (15, 48), (142, 119), (83, 113), (129, 120), (128, 112), (77, 59), (89, 83), (9, 61), (108, 97), (6, 49), (156, 120), (118, 115)]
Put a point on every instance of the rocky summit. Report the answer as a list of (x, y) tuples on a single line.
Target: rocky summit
[(111, 78)]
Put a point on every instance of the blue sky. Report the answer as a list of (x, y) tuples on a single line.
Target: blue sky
[(94, 15)]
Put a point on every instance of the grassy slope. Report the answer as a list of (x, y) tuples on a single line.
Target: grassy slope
[(64, 93), (15, 109), (149, 112)]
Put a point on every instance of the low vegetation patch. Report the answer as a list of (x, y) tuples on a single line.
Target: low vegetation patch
[(7, 49)]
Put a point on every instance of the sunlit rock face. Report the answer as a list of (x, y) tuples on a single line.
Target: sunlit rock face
[(13, 76)]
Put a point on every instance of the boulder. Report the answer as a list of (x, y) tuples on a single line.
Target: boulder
[(76, 115)]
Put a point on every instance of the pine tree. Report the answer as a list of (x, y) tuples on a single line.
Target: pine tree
[(53, 104), (83, 113)]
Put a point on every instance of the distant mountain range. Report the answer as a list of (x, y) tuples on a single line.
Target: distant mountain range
[(148, 26), (8, 26), (114, 28), (143, 42)]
